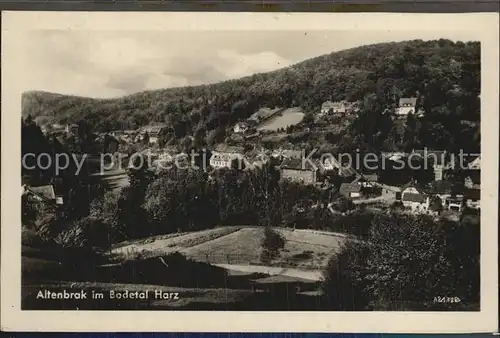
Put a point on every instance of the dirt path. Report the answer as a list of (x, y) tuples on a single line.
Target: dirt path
[(315, 275)]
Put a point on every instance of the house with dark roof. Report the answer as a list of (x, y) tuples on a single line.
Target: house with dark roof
[(368, 180), (154, 133), (407, 105), (295, 170), (451, 198), (350, 190), (43, 193)]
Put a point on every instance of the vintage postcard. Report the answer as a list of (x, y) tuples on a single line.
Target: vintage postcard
[(243, 171)]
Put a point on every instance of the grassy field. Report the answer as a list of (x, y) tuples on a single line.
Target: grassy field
[(288, 117), (308, 249), (240, 245), (160, 245)]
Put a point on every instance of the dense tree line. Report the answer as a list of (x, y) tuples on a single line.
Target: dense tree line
[(190, 200), (404, 263), (54, 222), (444, 75)]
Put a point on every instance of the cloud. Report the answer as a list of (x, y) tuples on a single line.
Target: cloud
[(105, 65), (110, 64)]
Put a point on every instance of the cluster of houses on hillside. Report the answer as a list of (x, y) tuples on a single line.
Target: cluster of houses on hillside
[(339, 108), (441, 195), (406, 105), (148, 134), (438, 196)]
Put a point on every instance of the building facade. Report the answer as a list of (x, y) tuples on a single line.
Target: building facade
[(306, 176), (415, 200), (407, 106)]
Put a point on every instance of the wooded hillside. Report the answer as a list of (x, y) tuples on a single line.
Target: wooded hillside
[(443, 74)]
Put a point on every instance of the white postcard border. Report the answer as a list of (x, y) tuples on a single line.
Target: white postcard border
[(482, 26)]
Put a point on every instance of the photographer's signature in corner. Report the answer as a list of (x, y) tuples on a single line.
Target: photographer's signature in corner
[(440, 299)]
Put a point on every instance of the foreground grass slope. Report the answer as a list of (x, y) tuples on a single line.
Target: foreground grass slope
[(303, 249)]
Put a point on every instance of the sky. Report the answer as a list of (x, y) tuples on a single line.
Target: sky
[(116, 63)]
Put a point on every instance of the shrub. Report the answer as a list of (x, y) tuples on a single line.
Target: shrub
[(272, 243), (303, 255), (71, 237), (397, 205), (89, 232)]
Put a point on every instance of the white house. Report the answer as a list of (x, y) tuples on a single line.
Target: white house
[(455, 203), (407, 106), (326, 107), (223, 156), (221, 160), (154, 133), (415, 200), (292, 169), (337, 107)]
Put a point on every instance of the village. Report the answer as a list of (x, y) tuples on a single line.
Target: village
[(244, 149)]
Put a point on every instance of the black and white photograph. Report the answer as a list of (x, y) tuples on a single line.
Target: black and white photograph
[(328, 170)]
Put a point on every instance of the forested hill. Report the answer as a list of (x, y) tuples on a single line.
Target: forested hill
[(444, 75)]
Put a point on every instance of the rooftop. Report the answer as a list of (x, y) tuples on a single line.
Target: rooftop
[(224, 148), (45, 191), (350, 187), (412, 101), (475, 164), (370, 177), (332, 105), (411, 197)]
